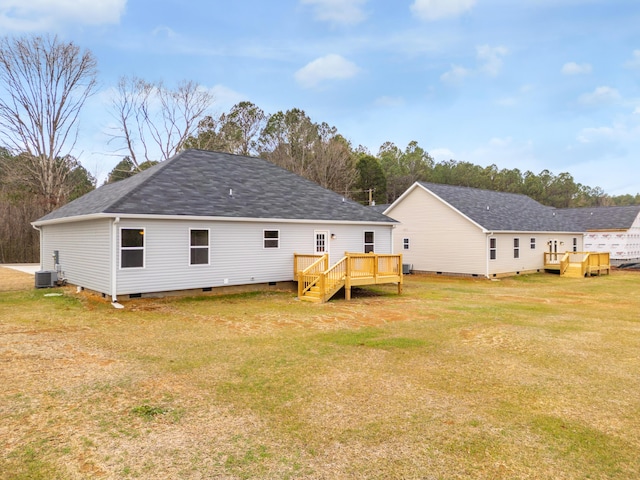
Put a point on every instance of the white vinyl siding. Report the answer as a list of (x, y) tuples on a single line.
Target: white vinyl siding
[(85, 252), (237, 253), (442, 240), (530, 260)]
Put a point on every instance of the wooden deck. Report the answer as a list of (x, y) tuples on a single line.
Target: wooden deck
[(578, 264), (318, 282)]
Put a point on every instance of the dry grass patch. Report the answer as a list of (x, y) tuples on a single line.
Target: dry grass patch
[(12, 280), (529, 377)]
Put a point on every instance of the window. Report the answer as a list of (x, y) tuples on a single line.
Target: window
[(575, 244), (405, 243), (368, 242), (271, 239), (321, 242), (533, 243), (199, 247), (516, 248), (493, 248), (131, 247)]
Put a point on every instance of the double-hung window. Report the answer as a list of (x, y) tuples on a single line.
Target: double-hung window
[(405, 243), (131, 247), (516, 248), (271, 239), (368, 242), (533, 243), (199, 247), (493, 248), (575, 244)]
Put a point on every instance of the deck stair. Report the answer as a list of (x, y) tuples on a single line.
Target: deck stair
[(317, 282)]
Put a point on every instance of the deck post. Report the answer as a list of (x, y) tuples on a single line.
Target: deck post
[(347, 278), (401, 273)]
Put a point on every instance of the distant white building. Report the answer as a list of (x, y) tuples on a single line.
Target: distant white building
[(609, 229)]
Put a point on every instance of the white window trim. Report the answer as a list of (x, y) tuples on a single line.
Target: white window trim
[(406, 243), (208, 247), (264, 239), (364, 243), (326, 241), (532, 243), (143, 248), (494, 249)]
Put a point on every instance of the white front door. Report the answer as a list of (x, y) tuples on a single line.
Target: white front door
[(553, 251), (321, 242)]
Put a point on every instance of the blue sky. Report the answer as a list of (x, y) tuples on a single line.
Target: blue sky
[(527, 84)]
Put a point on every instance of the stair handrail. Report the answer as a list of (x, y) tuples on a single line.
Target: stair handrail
[(336, 273), (304, 284)]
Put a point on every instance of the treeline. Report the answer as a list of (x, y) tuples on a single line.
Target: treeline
[(318, 152), (44, 83), (24, 198)]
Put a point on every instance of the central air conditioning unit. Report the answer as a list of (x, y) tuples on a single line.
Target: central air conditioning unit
[(46, 278)]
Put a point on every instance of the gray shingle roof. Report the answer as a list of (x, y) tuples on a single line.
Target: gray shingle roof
[(602, 218), (500, 211), (198, 183)]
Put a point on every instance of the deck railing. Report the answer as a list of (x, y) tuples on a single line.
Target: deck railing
[(353, 269), (312, 274), (301, 261), (589, 263)]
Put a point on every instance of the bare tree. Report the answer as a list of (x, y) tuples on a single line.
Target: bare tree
[(45, 83), (154, 120)]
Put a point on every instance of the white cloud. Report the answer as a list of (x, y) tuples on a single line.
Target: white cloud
[(224, 98), (572, 68), (455, 76), (489, 62), (37, 15), (386, 101), (164, 31), (436, 9), (491, 58), (600, 96), (329, 67), (591, 134), (338, 12), (442, 154), (635, 60)]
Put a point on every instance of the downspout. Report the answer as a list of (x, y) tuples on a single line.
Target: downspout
[(114, 260), (39, 241), (487, 253)]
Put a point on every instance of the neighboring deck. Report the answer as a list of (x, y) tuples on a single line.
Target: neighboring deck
[(318, 282), (578, 264)]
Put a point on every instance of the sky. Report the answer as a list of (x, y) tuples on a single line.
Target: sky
[(527, 84)]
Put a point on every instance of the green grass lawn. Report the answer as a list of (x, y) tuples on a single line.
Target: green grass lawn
[(528, 377)]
